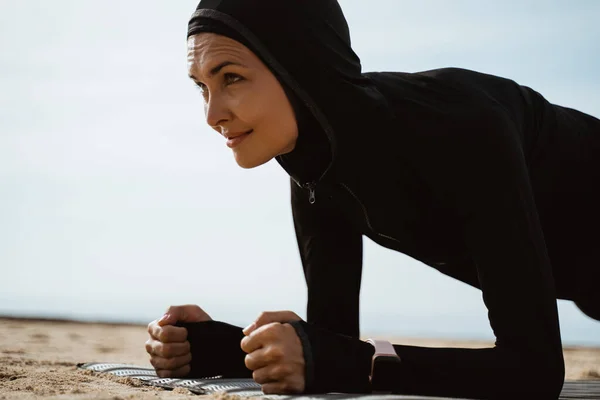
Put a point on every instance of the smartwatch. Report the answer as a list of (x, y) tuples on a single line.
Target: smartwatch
[(384, 367)]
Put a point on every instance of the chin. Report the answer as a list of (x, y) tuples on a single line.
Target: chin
[(250, 162)]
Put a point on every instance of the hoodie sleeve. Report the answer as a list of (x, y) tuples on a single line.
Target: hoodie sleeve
[(331, 255), (486, 181)]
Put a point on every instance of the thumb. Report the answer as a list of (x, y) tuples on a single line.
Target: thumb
[(185, 313), (269, 317), (167, 319), (173, 315)]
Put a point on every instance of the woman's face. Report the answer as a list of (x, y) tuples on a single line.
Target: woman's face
[(243, 100)]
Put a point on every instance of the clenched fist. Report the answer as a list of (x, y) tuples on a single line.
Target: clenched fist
[(168, 346), (275, 353)]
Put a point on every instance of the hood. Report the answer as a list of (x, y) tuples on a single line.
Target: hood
[(306, 44)]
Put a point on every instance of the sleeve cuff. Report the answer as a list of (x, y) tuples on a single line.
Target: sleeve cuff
[(334, 362)]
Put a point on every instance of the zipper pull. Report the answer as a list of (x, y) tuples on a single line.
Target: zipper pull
[(311, 192)]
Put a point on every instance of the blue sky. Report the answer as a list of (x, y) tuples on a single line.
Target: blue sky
[(116, 200)]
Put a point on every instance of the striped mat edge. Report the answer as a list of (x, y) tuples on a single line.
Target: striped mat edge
[(589, 389)]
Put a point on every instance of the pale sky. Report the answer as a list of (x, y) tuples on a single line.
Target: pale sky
[(116, 199)]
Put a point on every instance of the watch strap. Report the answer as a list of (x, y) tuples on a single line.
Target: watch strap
[(384, 366)]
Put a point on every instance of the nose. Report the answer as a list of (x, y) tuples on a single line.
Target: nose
[(217, 112)]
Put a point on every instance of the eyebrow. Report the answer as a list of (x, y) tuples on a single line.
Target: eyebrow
[(217, 69)]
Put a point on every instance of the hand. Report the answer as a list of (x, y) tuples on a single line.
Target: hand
[(168, 346), (275, 353)]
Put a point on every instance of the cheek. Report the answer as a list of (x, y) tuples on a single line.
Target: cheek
[(248, 107), (264, 105)]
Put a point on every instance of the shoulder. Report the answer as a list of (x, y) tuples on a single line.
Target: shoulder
[(452, 75), (448, 75), (449, 89)]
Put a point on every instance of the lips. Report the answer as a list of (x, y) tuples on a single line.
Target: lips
[(230, 136), (235, 139)]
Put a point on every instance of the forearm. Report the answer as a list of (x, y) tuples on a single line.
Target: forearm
[(339, 363), (491, 373)]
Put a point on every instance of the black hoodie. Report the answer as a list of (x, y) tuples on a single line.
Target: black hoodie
[(469, 173)]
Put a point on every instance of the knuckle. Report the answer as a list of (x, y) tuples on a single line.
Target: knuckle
[(163, 334), (282, 370), (272, 354), (166, 350), (274, 329), (244, 344), (170, 363), (169, 333), (267, 354), (276, 353), (257, 377), (263, 316), (268, 331)]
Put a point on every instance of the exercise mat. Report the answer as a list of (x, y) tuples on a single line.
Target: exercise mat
[(247, 387)]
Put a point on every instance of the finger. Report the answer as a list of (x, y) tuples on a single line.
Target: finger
[(172, 315), (167, 319), (280, 388), (257, 359), (178, 373), (152, 327), (270, 373), (174, 363), (169, 333), (260, 337), (150, 343), (169, 350), (268, 317), (173, 334)]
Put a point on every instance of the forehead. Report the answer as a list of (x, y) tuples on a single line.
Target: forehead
[(206, 49)]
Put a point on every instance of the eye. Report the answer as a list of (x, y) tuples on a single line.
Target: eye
[(202, 87), (231, 78)]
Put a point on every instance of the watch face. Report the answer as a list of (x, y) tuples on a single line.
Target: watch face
[(386, 370)]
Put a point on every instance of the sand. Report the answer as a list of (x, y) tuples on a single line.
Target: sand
[(38, 360)]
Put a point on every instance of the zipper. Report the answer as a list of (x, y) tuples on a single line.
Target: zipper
[(310, 186), (364, 209), (311, 191)]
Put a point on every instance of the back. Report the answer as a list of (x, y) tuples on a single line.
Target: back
[(454, 87)]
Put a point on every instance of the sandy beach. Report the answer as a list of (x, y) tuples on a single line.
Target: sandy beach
[(38, 360)]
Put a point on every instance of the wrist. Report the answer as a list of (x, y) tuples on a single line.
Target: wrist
[(334, 362)]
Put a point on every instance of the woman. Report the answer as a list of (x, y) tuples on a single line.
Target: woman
[(472, 174)]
